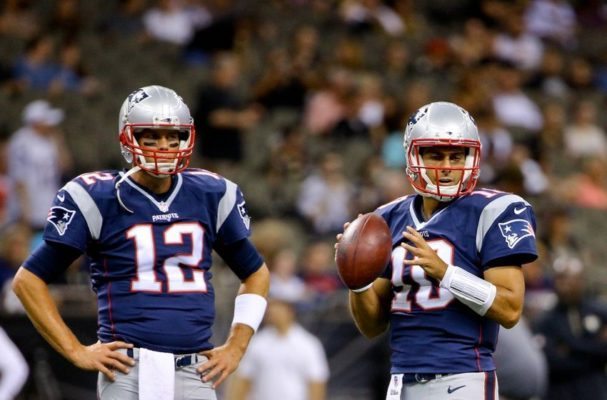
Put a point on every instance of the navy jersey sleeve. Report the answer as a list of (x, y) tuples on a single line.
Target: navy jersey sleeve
[(51, 259), (241, 257), (509, 231), (233, 221), (69, 217)]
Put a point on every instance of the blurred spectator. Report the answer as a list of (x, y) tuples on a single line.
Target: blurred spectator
[(551, 147), (351, 125), (318, 270), (580, 77), (37, 158), (575, 334), (73, 74), (521, 365), (584, 137), (473, 44), (588, 188), (549, 79), (395, 66), (13, 368), (172, 22), (535, 180), (284, 281), (539, 285), (327, 106), (36, 68), (325, 196), (222, 115), (497, 144), (216, 30), (5, 185), (66, 18), (281, 84), (553, 20), (283, 171), (19, 20), (15, 246), (284, 360), (126, 21), (272, 235), (513, 107), (515, 45), (364, 15), (557, 232)]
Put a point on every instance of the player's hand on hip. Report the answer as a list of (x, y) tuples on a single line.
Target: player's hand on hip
[(105, 358), (223, 360), (423, 254)]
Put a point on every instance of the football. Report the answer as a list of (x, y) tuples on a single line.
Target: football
[(363, 251)]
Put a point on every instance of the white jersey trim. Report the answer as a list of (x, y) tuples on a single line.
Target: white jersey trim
[(226, 204), (163, 206), (491, 212), (87, 207)]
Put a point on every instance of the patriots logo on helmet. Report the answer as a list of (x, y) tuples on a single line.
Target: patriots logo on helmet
[(136, 97), (417, 116), (244, 215), (516, 230), (60, 218)]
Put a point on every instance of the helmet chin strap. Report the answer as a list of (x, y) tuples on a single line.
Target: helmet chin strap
[(450, 190), (117, 186)]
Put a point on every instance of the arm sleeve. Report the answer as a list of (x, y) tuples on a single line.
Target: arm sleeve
[(51, 259), (241, 256)]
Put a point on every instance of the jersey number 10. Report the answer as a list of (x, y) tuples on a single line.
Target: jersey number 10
[(416, 287)]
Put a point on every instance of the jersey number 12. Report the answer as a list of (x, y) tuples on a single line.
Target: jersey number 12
[(146, 279)]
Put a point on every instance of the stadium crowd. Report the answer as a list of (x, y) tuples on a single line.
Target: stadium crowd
[(303, 103)]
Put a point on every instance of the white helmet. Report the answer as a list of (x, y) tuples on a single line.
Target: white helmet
[(441, 124), (156, 107)]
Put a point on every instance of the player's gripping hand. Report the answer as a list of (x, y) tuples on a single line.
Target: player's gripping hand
[(105, 358), (223, 360), (423, 254), (340, 235)]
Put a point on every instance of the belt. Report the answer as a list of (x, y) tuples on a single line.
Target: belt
[(421, 377), (181, 360)]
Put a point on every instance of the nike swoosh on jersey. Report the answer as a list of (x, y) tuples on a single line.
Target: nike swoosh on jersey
[(61, 197), (517, 211), (449, 390)]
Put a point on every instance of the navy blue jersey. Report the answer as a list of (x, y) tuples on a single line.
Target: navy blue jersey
[(430, 330), (150, 268)]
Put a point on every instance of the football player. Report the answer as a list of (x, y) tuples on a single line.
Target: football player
[(455, 273), (148, 234)]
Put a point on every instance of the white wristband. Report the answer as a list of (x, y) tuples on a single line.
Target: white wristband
[(362, 289), (475, 292), (249, 310)]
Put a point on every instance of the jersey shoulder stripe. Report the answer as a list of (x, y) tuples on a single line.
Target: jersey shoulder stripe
[(491, 212), (87, 206)]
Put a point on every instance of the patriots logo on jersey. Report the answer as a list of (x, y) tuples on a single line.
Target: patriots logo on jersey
[(136, 97), (244, 215), (516, 230), (60, 218)]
